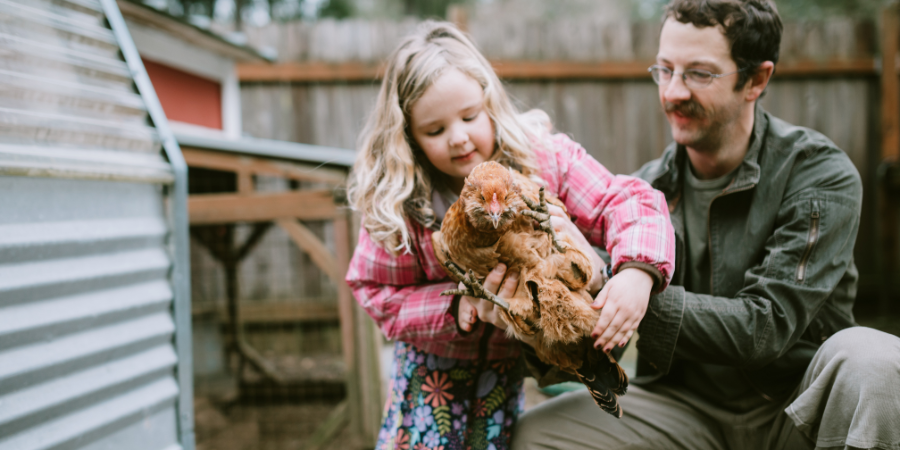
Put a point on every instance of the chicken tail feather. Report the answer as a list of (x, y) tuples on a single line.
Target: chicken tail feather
[(605, 380)]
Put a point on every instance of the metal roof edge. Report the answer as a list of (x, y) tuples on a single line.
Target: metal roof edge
[(271, 148), (136, 10)]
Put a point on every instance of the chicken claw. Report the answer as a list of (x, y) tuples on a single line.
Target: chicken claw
[(541, 213), (475, 288)]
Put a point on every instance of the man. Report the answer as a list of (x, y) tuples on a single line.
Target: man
[(754, 345)]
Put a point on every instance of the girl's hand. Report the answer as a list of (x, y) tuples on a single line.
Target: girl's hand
[(466, 315), (624, 302), (563, 224), (485, 310)]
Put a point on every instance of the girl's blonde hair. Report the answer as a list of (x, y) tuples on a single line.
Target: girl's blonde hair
[(392, 179)]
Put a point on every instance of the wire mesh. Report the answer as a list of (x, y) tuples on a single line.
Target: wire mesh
[(267, 343)]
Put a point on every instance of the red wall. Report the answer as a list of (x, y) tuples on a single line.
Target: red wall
[(186, 97)]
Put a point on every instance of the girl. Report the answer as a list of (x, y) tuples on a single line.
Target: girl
[(441, 111)]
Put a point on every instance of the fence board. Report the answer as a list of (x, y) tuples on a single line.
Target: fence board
[(825, 80)]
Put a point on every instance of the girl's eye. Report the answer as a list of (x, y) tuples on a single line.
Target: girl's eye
[(435, 132), (470, 118)]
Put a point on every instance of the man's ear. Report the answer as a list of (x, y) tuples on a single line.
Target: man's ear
[(759, 80)]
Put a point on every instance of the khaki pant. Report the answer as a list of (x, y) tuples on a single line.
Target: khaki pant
[(848, 398)]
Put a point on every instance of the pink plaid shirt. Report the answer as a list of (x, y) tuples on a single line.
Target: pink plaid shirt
[(620, 213)]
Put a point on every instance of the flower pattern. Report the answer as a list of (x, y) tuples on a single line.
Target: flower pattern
[(450, 404), (438, 391), (423, 418)]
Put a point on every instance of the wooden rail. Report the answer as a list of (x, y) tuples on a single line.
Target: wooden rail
[(323, 72)]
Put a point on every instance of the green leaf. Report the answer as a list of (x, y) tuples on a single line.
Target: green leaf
[(495, 399), (442, 417), (479, 433), (415, 386), (460, 374)]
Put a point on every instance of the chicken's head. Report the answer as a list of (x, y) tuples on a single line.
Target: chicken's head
[(491, 198)]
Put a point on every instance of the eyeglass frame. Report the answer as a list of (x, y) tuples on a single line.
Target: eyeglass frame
[(684, 77)]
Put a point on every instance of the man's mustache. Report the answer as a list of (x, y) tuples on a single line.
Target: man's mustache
[(689, 108)]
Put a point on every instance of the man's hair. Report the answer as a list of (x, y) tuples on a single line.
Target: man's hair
[(752, 27)]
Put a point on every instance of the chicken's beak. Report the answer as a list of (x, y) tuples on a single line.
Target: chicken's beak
[(494, 211)]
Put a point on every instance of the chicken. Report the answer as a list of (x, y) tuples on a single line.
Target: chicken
[(493, 222)]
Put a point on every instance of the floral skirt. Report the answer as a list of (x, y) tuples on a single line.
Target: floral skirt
[(440, 403)]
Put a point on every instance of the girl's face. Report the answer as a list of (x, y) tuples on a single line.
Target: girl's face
[(451, 126)]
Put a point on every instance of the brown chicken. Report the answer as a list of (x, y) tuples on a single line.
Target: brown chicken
[(493, 222)]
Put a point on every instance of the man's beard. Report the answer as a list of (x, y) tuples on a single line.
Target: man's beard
[(702, 138)]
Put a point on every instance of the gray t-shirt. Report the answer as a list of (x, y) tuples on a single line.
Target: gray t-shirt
[(724, 384), (698, 195)]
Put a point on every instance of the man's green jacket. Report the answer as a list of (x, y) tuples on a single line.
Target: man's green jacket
[(781, 240)]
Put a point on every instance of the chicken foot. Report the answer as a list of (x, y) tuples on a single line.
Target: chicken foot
[(474, 287), (540, 212)]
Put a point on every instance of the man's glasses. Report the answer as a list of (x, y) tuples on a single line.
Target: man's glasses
[(693, 78)]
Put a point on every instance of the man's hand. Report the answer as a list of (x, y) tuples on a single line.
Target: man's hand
[(623, 302), (473, 309)]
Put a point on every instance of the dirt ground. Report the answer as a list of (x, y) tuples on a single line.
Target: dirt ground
[(234, 425), (277, 427)]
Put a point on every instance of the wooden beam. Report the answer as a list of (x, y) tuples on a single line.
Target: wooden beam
[(827, 68), (245, 182), (285, 312), (317, 251), (890, 85), (307, 72), (275, 311), (345, 296), (258, 166), (229, 208)]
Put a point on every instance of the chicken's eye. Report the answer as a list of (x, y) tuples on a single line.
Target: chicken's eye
[(482, 198)]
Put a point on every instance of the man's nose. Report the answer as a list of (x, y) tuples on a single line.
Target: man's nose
[(676, 91)]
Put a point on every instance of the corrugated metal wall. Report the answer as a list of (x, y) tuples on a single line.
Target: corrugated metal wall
[(87, 359)]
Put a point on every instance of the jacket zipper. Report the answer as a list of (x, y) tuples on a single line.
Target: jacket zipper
[(810, 240), (709, 247)]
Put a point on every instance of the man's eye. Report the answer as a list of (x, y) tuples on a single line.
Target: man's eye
[(699, 75), (435, 132)]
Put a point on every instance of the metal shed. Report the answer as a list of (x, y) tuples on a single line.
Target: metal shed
[(94, 280)]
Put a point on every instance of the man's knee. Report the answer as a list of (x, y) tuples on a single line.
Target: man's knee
[(566, 421), (862, 349)]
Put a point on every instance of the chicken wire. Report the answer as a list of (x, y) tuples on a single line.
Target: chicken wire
[(266, 380)]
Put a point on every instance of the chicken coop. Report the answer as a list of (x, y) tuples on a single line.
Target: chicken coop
[(275, 326), (95, 324), (279, 350)]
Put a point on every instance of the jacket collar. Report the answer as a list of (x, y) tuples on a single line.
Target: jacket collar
[(673, 161)]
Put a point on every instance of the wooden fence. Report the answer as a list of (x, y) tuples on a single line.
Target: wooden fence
[(589, 75)]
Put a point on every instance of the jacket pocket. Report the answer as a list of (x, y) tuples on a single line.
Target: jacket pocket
[(811, 239)]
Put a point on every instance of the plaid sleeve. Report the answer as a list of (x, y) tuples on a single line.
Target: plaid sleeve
[(622, 214), (396, 291)]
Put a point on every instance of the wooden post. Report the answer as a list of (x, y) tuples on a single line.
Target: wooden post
[(361, 350), (457, 14), (890, 85), (890, 148)]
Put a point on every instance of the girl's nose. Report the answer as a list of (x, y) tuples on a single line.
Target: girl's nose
[(458, 136)]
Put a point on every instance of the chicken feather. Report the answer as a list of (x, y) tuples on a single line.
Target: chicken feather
[(492, 223)]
